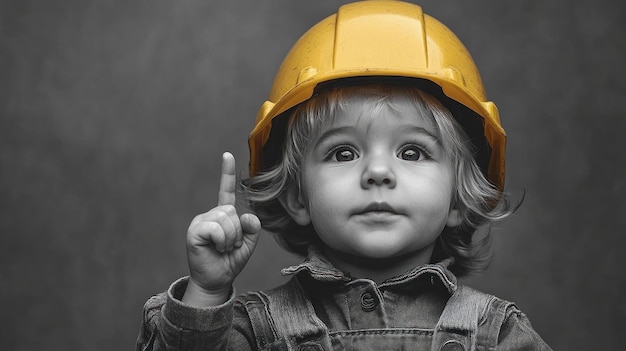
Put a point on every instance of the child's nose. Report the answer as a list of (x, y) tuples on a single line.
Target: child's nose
[(378, 172)]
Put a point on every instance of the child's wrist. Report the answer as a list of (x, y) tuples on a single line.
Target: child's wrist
[(197, 296)]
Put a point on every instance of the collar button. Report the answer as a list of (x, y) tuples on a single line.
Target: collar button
[(368, 301), (452, 345)]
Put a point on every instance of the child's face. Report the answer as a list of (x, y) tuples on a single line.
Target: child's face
[(378, 184)]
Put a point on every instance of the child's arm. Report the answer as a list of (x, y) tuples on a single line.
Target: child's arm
[(219, 244), (199, 311)]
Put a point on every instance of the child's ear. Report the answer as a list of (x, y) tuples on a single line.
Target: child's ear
[(293, 202), (454, 218)]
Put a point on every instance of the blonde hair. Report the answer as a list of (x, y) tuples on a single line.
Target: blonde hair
[(479, 202)]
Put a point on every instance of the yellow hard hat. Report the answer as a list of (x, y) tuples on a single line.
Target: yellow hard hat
[(384, 39)]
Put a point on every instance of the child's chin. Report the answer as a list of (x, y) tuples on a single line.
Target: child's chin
[(386, 253), (381, 252)]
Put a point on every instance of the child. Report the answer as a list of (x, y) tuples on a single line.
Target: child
[(378, 158)]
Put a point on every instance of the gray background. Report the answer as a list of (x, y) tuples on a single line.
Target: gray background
[(113, 116)]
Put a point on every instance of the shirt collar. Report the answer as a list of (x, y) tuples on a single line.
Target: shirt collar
[(317, 266)]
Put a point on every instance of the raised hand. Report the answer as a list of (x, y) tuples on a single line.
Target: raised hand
[(219, 244)]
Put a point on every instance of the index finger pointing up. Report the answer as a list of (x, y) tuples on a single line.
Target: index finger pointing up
[(228, 181)]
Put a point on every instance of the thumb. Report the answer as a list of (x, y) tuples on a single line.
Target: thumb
[(250, 224)]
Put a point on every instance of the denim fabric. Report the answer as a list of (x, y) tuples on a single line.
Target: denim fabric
[(322, 308)]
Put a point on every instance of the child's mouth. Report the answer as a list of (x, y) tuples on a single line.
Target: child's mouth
[(378, 207), (377, 211)]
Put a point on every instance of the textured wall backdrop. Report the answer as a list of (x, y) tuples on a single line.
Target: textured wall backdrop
[(113, 116)]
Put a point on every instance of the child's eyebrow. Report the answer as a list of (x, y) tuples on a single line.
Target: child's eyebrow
[(406, 129), (420, 130), (335, 131)]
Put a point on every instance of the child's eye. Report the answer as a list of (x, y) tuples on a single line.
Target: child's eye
[(411, 153), (343, 154)]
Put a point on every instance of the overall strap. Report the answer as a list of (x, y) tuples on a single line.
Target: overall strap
[(490, 325), (284, 319), (458, 325), (262, 324)]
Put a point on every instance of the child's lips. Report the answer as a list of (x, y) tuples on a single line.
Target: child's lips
[(377, 210)]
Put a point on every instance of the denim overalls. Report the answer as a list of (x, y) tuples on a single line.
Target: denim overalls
[(322, 309), (471, 320)]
